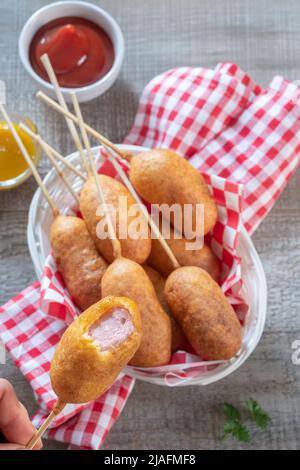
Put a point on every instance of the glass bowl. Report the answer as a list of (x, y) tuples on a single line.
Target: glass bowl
[(22, 177)]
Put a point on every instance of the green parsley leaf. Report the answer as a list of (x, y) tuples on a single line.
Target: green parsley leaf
[(258, 415), (237, 430), (233, 425), (230, 412)]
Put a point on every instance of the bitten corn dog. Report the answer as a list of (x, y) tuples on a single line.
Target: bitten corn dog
[(91, 354), (94, 349)]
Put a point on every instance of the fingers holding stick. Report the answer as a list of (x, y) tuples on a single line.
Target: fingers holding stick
[(15, 424), (59, 406)]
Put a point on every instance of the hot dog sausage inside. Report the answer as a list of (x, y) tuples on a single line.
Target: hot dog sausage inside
[(112, 329)]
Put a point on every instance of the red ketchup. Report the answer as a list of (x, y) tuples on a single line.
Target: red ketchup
[(80, 51)]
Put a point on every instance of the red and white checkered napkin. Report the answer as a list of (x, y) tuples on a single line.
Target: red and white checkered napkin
[(225, 125), (234, 132)]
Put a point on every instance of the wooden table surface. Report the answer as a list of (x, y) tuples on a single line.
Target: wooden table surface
[(263, 37)]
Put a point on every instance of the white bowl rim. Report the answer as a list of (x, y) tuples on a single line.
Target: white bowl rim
[(223, 370), (119, 52)]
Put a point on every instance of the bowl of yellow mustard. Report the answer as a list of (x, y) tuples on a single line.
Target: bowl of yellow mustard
[(13, 167)]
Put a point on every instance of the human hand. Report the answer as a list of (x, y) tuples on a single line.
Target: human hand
[(15, 424)]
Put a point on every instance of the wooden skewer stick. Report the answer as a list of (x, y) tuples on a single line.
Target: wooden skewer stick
[(58, 170), (82, 128), (143, 209), (103, 140), (112, 234), (59, 406), (54, 163), (127, 156), (37, 138), (28, 160), (51, 74)]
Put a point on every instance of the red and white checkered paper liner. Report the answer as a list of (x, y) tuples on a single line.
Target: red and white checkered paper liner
[(231, 130)]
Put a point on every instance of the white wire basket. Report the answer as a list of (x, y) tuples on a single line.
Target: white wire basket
[(254, 281)]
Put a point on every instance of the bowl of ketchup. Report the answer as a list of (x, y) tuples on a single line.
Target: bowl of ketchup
[(84, 43)]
